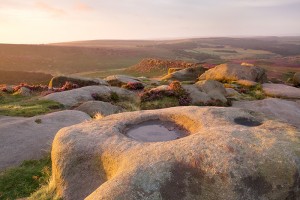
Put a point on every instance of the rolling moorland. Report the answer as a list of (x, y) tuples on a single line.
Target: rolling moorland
[(178, 119), (280, 56)]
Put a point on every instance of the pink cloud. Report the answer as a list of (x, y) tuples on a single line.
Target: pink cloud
[(80, 6), (50, 9)]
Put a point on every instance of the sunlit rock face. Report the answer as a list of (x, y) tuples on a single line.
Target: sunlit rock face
[(226, 153), (234, 72)]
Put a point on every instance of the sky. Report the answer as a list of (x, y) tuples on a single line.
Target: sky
[(48, 21)]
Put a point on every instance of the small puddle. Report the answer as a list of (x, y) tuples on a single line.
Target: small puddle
[(247, 122), (155, 131)]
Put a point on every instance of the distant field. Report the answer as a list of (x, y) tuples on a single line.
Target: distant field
[(16, 77), (99, 58)]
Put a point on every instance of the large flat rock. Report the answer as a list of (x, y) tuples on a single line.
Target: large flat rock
[(229, 153), (281, 91), (287, 111), (28, 138), (77, 96)]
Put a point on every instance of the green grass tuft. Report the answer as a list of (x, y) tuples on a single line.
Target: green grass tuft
[(22, 181), (16, 105), (165, 102)]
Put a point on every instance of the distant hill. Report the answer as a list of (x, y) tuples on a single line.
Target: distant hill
[(101, 57), (16, 77), (152, 66)]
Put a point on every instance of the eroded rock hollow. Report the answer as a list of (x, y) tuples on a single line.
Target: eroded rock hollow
[(228, 153)]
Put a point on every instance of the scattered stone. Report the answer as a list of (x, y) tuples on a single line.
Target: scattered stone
[(287, 111), (234, 72), (281, 91), (223, 157), (210, 86), (119, 80), (59, 81), (8, 88), (188, 74), (31, 138), (296, 79), (230, 92), (99, 107), (198, 97), (24, 91), (77, 96)]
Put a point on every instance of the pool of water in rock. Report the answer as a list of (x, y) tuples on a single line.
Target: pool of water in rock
[(155, 131), (247, 122)]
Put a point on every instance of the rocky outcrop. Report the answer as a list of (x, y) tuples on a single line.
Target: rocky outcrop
[(281, 91), (207, 93), (120, 80), (229, 153), (209, 86), (59, 81), (287, 111), (31, 138), (77, 96), (234, 72), (188, 74), (197, 96), (100, 108), (296, 79), (149, 65)]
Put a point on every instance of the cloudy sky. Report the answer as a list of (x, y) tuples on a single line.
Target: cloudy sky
[(44, 21)]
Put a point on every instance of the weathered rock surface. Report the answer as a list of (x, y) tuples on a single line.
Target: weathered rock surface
[(230, 92), (198, 97), (210, 86), (119, 80), (188, 74), (99, 108), (75, 97), (281, 91), (207, 92), (234, 72), (230, 154), (59, 81), (31, 138), (287, 111), (296, 79)]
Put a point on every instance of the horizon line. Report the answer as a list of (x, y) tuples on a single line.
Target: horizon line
[(157, 39)]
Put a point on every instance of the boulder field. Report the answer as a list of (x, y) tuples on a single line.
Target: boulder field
[(229, 153)]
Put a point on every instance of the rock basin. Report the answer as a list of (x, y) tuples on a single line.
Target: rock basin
[(230, 153), (155, 131)]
